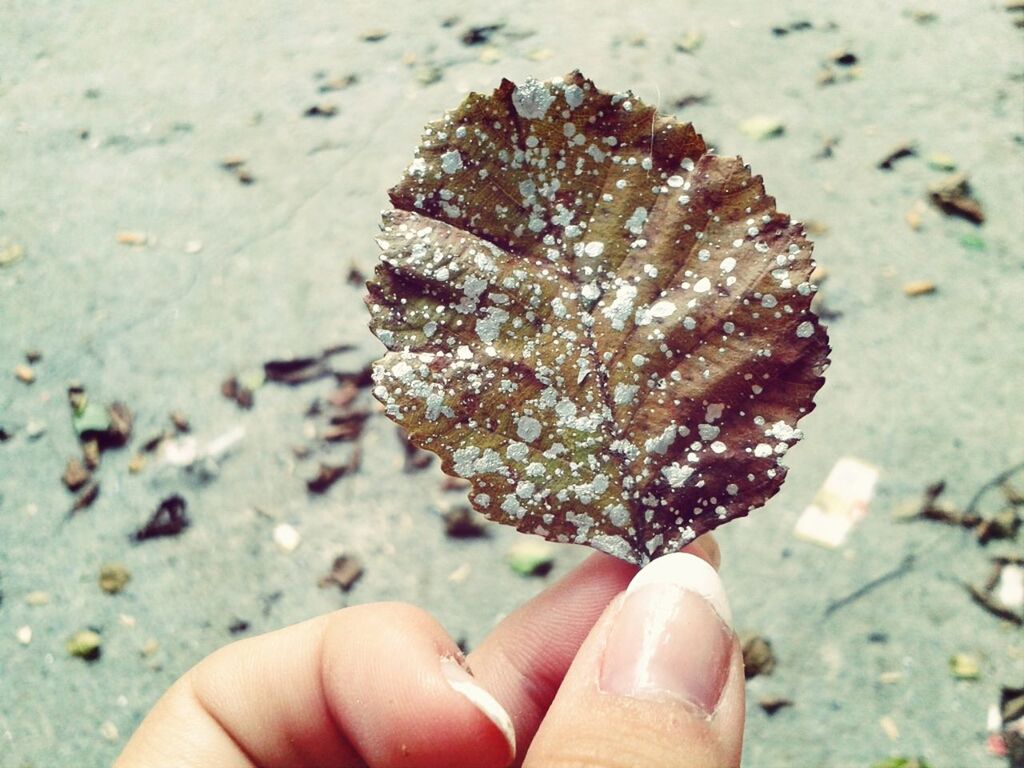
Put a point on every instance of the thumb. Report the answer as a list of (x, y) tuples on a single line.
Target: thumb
[(658, 682)]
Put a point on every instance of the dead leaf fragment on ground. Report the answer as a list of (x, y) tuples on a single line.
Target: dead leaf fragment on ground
[(234, 390), (463, 522), (591, 354), (75, 474), (531, 557), (758, 657), (326, 476), (952, 195), (85, 644), (114, 577), (86, 497), (898, 152), (773, 704), (169, 519), (345, 571)]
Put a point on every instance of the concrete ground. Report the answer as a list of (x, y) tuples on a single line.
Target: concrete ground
[(116, 116)]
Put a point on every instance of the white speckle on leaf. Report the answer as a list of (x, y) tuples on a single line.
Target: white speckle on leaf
[(702, 286), (573, 95), (635, 223), (762, 450), (594, 249), (624, 393), (451, 161), (677, 474), (532, 99), (528, 429), (619, 310), (663, 309), (805, 329)]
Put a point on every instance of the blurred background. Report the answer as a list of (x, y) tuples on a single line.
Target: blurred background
[(188, 199)]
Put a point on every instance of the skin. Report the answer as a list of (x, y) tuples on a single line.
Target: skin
[(363, 687)]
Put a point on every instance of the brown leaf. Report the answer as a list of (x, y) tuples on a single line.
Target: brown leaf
[(232, 389), (463, 522), (952, 195), (180, 422), (345, 572), (120, 429), (328, 474), (758, 657), (600, 324), (169, 519), (86, 497), (772, 704), (897, 153), (346, 426), (75, 474)]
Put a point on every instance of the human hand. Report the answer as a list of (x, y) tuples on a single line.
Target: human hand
[(583, 675)]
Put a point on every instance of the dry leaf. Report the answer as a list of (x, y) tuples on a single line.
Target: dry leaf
[(758, 657), (345, 572), (952, 195), (600, 324), (169, 519)]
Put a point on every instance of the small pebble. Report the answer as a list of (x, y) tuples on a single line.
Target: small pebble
[(24, 374), (114, 577), (286, 537)]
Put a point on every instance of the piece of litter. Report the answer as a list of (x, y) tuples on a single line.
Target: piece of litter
[(840, 503), (940, 161), (689, 42), (75, 474), (345, 571), (531, 557), (1009, 589), (762, 127), (24, 374), (964, 666), (129, 237), (758, 656), (900, 151), (24, 634), (37, 598), (889, 727), (919, 288), (109, 731), (772, 704), (193, 246), (169, 519), (952, 195), (286, 537), (10, 253), (460, 574), (463, 522), (85, 644), (114, 577)]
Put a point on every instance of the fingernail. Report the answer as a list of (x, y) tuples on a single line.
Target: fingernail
[(463, 682), (671, 638)]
